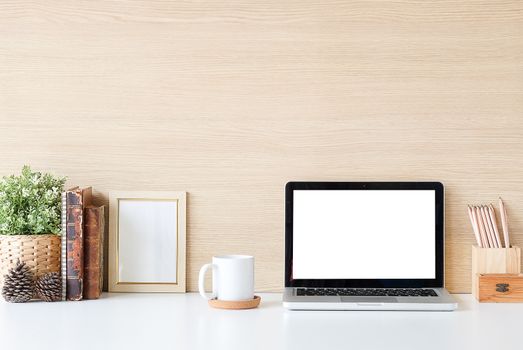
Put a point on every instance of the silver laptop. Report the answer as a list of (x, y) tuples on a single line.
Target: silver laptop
[(365, 246)]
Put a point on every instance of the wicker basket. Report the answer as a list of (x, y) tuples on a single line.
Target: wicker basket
[(40, 252)]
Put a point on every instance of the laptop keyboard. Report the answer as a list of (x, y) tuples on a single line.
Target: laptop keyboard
[(375, 292)]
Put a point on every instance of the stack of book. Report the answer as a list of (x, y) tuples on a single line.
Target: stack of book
[(82, 245)]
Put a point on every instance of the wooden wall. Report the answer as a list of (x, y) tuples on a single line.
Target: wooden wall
[(228, 100)]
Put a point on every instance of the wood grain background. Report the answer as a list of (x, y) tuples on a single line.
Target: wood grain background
[(228, 100)]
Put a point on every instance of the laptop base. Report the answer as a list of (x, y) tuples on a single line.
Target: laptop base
[(443, 302)]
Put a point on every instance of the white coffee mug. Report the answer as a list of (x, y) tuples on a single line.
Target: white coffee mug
[(232, 278)]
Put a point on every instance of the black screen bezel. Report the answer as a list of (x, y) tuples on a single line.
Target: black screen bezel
[(437, 282)]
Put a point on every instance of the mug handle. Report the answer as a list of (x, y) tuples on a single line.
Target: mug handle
[(201, 282)]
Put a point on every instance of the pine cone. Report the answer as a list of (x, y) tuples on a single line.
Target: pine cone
[(18, 284), (49, 287)]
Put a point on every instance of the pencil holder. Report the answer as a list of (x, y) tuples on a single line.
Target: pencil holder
[(493, 261)]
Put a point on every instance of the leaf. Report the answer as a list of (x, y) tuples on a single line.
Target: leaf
[(30, 203)]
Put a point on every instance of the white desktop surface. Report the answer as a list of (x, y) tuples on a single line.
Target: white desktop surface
[(185, 321)]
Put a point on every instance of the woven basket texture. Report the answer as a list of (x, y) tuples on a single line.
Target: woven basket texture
[(40, 252)]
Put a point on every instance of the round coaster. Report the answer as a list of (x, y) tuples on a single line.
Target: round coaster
[(235, 305)]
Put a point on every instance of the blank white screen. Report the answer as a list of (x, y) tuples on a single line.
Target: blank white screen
[(147, 241), (364, 234)]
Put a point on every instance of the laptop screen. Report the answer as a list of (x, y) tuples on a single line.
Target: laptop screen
[(364, 234)]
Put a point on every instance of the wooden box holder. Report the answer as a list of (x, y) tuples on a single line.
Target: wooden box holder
[(494, 261), (500, 288)]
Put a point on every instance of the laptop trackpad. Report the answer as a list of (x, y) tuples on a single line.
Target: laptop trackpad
[(368, 300)]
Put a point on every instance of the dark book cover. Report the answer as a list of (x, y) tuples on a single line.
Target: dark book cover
[(93, 251), (76, 199)]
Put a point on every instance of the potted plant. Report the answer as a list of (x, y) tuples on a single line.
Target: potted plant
[(30, 221)]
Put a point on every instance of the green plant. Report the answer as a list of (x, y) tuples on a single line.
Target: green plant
[(30, 204)]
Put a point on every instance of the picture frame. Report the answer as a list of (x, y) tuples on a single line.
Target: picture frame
[(147, 241)]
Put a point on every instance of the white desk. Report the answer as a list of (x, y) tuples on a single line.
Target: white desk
[(184, 321)]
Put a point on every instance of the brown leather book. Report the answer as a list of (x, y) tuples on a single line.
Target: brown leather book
[(93, 251), (76, 200)]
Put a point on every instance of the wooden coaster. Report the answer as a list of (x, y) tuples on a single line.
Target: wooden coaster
[(235, 305)]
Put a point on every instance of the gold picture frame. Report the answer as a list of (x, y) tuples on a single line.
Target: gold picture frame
[(147, 241)]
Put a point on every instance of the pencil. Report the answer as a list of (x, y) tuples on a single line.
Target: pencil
[(487, 227), (492, 214), (486, 239), (475, 228), (504, 223), (495, 234)]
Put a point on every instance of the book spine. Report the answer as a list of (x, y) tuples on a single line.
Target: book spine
[(93, 252), (63, 256), (75, 261)]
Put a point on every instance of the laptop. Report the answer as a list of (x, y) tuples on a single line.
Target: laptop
[(365, 246)]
